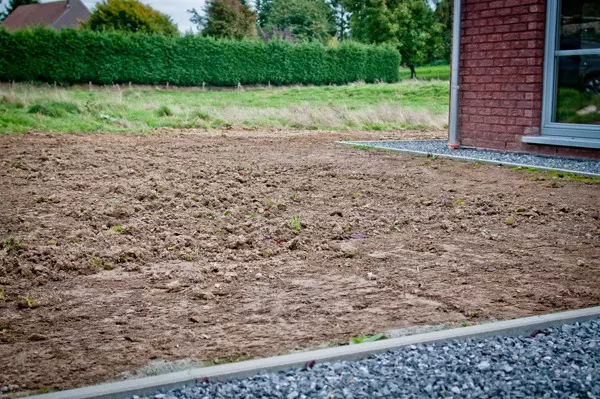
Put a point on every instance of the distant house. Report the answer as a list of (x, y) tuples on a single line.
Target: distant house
[(56, 15)]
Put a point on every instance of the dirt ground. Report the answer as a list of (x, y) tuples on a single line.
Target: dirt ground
[(122, 248)]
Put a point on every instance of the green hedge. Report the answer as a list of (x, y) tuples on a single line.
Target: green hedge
[(79, 56)]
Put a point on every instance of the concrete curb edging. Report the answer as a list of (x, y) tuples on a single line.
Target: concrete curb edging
[(148, 385), (468, 159)]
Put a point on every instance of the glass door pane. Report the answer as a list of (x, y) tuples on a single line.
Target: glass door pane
[(578, 63)]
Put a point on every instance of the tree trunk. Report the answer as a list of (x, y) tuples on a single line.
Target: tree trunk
[(413, 73)]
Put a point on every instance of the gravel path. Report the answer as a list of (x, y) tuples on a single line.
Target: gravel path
[(561, 362), (440, 147)]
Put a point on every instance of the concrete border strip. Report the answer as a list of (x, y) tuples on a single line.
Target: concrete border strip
[(467, 159), (149, 385)]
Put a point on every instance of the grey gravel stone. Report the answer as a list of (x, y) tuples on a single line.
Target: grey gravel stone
[(440, 148), (562, 362)]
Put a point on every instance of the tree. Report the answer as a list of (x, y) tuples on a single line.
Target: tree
[(306, 19), (341, 19), (11, 5), (226, 18), (129, 16), (443, 15), (263, 8), (410, 25)]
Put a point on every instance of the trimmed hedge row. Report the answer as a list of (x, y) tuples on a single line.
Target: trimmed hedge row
[(77, 56)]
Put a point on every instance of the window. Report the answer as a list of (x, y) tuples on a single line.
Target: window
[(571, 108)]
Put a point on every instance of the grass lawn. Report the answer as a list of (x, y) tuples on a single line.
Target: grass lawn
[(404, 105), (435, 72)]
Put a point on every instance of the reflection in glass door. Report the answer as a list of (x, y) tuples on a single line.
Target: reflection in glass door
[(577, 56)]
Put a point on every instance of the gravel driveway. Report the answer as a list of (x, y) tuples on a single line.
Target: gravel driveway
[(555, 363)]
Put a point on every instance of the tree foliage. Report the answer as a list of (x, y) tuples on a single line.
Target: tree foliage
[(129, 16), (410, 25), (232, 19), (11, 5), (305, 19), (443, 15), (263, 8)]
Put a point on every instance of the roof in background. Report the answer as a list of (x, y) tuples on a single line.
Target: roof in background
[(35, 15)]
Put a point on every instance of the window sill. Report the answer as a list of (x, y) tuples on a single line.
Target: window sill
[(562, 141)]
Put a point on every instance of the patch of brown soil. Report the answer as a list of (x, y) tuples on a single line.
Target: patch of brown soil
[(177, 245)]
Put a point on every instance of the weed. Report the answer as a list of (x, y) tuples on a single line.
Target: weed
[(46, 390), (554, 174), (459, 202), (251, 215), (56, 109), (432, 156), (119, 229), (164, 110), (52, 242), (363, 147), (31, 303), (227, 360), (4, 326), (293, 196), (192, 256), (11, 243), (18, 165), (465, 324), (362, 339), (98, 263), (2, 296), (348, 228), (203, 115), (266, 253), (268, 203), (509, 221), (356, 195), (295, 223), (227, 212)]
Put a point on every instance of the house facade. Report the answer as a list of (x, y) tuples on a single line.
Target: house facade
[(529, 76), (57, 15)]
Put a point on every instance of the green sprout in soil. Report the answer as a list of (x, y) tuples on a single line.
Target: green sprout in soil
[(11, 243), (295, 223), (293, 196), (31, 303), (2, 296), (268, 203), (227, 212), (98, 263), (119, 229), (362, 339), (356, 195)]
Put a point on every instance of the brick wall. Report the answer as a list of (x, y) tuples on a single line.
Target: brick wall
[(502, 58), (501, 76)]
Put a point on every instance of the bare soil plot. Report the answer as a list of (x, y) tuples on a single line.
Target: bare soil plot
[(120, 249)]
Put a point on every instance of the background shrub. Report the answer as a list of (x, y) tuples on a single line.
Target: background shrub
[(79, 56)]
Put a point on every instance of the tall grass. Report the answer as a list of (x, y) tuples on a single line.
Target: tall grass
[(408, 105)]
